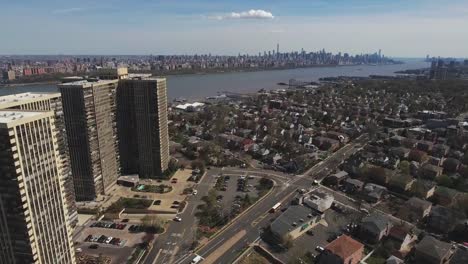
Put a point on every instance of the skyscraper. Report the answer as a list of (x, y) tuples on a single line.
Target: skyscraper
[(33, 214), (49, 102), (89, 109), (142, 126)]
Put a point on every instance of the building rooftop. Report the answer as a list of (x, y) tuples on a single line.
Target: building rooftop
[(10, 118), (86, 83), (344, 246), (433, 247), (13, 100), (293, 217)]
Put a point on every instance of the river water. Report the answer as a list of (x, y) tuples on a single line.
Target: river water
[(202, 85)]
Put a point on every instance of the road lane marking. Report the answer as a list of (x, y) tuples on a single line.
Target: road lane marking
[(225, 247), (217, 243)]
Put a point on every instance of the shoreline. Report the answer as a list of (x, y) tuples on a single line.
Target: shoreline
[(206, 72), (13, 85)]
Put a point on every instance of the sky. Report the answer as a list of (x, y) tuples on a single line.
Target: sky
[(401, 28)]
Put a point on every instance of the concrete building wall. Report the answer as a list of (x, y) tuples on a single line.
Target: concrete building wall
[(142, 126), (49, 102), (33, 211), (89, 109)]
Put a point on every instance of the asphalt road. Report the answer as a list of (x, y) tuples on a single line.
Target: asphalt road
[(179, 235), (256, 216)]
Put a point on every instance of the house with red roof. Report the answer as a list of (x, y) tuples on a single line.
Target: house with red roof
[(344, 248)]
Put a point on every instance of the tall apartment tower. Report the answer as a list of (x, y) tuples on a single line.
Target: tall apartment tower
[(33, 213), (90, 121), (142, 126), (49, 102)]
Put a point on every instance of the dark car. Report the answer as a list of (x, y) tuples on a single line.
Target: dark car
[(102, 239), (157, 202), (93, 246), (125, 220)]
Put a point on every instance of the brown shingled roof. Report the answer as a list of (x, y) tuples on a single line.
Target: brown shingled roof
[(344, 246)]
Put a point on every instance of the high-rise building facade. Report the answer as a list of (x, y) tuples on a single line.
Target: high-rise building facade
[(142, 126), (49, 102), (33, 213), (89, 109)]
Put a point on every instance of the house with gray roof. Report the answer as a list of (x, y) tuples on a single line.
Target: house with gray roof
[(374, 227), (432, 251)]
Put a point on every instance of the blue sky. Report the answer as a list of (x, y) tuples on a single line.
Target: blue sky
[(400, 28)]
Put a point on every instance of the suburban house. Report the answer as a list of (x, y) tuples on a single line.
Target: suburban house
[(423, 189), (460, 255), (353, 185), (445, 196), (430, 171), (403, 241), (442, 219), (374, 227), (336, 178), (373, 192), (394, 260), (347, 250), (432, 251), (325, 143), (414, 210), (401, 182)]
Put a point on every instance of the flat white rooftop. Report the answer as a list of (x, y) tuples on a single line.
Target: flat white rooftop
[(86, 83), (12, 100), (13, 117)]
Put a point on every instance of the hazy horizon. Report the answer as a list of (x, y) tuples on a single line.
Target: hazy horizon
[(399, 28)]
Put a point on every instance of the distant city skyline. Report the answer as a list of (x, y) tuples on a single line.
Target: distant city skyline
[(399, 28)]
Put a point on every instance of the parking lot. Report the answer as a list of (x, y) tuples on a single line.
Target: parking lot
[(232, 188), (114, 239)]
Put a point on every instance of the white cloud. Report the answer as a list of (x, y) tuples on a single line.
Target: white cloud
[(251, 14), (68, 10)]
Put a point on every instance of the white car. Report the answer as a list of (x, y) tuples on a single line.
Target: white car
[(319, 249), (196, 259), (194, 192), (178, 219), (109, 239)]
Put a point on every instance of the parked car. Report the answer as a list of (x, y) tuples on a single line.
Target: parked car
[(108, 240), (93, 246), (157, 202), (102, 239), (319, 249), (177, 219)]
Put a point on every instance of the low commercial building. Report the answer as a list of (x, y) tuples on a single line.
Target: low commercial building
[(295, 221), (319, 201), (128, 180)]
